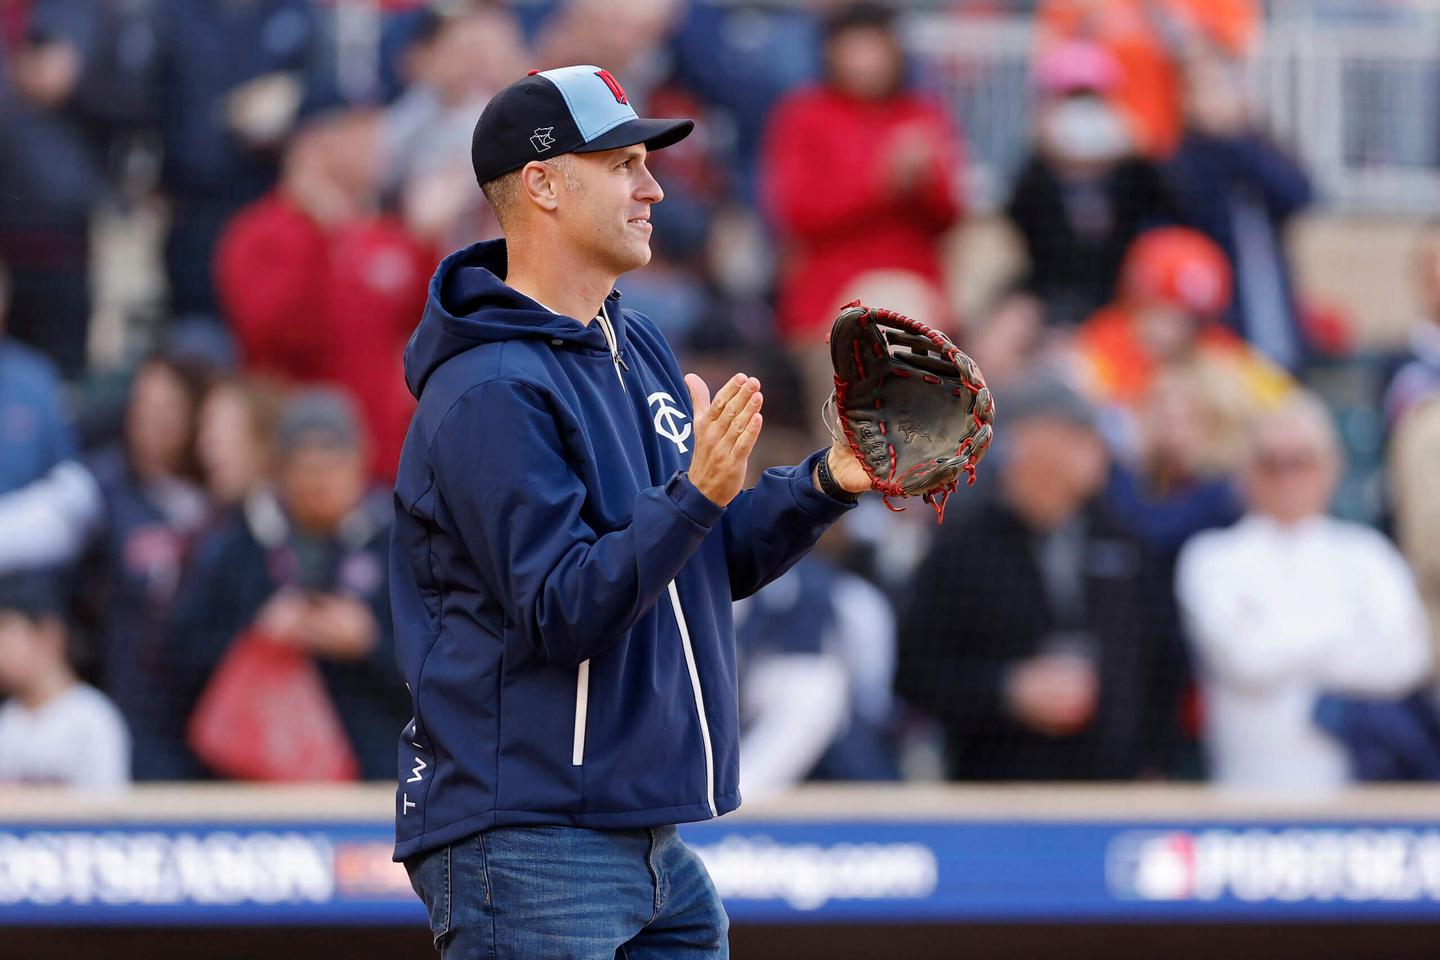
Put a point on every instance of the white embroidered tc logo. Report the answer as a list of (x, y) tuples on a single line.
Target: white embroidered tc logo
[(542, 139), (668, 419)]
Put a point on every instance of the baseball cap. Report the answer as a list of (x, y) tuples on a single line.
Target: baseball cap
[(1046, 396), (579, 109), (319, 417)]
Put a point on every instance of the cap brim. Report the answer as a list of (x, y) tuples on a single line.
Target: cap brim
[(655, 134)]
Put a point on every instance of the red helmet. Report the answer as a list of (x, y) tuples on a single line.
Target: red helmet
[(1180, 267)]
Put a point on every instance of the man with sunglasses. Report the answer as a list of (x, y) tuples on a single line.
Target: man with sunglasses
[(1289, 605)]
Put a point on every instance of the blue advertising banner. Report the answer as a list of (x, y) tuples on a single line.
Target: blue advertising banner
[(767, 872)]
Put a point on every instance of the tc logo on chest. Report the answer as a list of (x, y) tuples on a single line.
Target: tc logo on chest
[(671, 422)]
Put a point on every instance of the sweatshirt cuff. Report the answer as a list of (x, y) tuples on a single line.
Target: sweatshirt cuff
[(817, 503), (691, 502)]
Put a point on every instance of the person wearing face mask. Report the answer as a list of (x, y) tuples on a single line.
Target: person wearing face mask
[(1084, 194), (859, 175)]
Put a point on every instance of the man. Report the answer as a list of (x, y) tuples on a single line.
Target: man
[(1037, 633), (304, 569), (1289, 605), (53, 728), (569, 537)]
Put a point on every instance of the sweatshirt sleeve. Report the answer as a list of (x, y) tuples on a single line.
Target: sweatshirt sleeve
[(774, 523), (502, 472)]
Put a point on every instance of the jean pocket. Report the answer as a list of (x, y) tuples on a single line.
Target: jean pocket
[(430, 878)]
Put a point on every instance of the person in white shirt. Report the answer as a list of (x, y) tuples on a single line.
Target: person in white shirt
[(1290, 604), (53, 728)]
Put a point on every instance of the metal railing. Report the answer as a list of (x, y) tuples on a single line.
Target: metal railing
[(1358, 103)]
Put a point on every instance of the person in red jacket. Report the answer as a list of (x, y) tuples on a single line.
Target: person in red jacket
[(859, 174), (321, 288)]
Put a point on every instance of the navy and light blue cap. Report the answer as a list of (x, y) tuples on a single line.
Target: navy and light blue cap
[(580, 109)]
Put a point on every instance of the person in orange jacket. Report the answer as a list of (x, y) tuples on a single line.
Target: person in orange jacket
[(1175, 285)]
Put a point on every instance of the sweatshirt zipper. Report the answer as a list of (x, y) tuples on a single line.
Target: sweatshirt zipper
[(583, 679), (582, 675)]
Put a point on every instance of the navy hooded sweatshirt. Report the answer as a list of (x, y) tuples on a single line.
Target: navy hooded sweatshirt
[(561, 590)]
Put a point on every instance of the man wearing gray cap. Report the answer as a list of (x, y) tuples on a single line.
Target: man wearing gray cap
[(304, 566), (1038, 635)]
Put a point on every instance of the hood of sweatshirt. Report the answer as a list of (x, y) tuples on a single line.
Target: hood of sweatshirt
[(469, 304)]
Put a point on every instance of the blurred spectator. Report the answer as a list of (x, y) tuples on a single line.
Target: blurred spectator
[(1148, 39), (1240, 190), (1412, 410), (817, 661), (1175, 285), (1180, 483), (73, 74), (1084, 194), (1418, 378), (455, 62), (35, 432), (321, 288), (230, 87), (129, 513), (53, 728), (1037, 632), (306, 570), (1290, 604), (234, 439), (628, 38), (149, 509), (819, 658), (741, 59), (860, 175), (1010, 337)]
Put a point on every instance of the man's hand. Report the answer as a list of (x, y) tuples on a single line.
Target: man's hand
[(1054, 693), (725, 433), (340, 628), (845, 468)]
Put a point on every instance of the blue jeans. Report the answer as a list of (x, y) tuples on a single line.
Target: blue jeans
[(567, 893)]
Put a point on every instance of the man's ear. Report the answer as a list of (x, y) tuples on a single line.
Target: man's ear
[(540, 184)]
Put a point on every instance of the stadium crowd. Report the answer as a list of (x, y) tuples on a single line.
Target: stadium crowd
[(1144, 584)]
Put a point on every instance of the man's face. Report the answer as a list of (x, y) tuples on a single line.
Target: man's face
[(21, 656), (321, 485), (1052, 468), (606, 206), (1291, 475), (865, 63)]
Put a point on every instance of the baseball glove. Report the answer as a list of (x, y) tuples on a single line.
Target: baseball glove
[(914, 409)]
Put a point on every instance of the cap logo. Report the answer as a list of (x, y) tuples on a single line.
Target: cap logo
[(542, 139), (614, 86)]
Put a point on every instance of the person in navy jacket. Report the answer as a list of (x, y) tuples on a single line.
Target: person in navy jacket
[(570, 534)]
